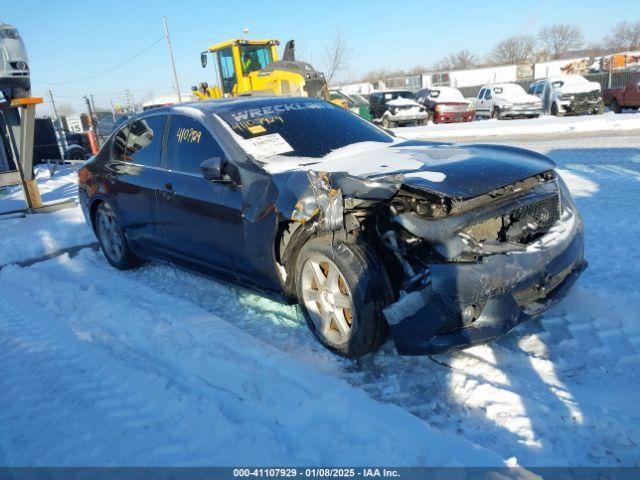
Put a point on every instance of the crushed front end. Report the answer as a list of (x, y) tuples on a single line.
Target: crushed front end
[(470, 270)]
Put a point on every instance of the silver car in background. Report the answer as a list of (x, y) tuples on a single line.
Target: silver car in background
[(15, 79)]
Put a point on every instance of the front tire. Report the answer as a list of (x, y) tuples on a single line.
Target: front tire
[(112, 241), (342, 290), (386, 123), (615, 106)]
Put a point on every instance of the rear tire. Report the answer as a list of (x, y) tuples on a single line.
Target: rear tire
[(342, 289), (112, 241), (386, 123), (496, 113)]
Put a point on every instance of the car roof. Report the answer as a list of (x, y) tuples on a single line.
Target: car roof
[(222, 105)]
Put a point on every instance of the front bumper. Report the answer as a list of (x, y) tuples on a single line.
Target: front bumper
[(453, 117), (580, 107), (407, 118), (508, 288), (521, 111)]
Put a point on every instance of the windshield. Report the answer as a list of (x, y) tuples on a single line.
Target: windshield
[(9, 33), (302, 128), (254, 57)]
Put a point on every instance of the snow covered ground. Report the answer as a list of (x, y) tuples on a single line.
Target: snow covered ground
[(543, 125), (42, 234), (161, 366)]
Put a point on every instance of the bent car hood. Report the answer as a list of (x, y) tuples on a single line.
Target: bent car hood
[(460, 171)]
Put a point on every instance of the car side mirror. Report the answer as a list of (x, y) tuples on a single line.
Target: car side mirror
[(203, 59), (211, 169)]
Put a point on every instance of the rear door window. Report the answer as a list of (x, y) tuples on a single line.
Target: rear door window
[(189, 143), (144, 140)]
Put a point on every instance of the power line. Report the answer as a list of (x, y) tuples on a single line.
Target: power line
[(144, 50)]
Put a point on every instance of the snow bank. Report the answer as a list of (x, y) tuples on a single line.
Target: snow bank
[(111, 377), (30, 236), (535, 126), (63, 185)]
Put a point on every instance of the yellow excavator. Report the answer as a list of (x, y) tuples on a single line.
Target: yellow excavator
[(252, 67)]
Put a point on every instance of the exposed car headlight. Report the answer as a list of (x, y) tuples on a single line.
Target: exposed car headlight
[(21, 66)]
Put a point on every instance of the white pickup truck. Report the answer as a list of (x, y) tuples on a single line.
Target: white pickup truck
[(504, 100), (568, 95)]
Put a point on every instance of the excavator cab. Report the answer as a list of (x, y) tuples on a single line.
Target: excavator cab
[(252, 67)]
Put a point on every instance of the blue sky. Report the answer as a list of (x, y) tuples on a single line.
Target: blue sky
[(71, 40)]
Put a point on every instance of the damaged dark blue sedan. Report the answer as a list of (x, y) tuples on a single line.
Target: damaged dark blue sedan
[(441, 245)]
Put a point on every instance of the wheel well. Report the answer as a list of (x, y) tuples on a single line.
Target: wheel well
[(92, 211), (290, 238)]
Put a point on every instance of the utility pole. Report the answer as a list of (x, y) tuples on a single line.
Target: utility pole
[(93, 102), (176, 85), (57, 125), (90, 108), (113, 111), (93, 137)]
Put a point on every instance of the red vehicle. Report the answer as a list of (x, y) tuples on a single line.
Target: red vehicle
[(446, 105), (623, 97)]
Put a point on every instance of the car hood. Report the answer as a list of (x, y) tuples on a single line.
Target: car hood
[(518, 98), (585, 87), (456, 171)]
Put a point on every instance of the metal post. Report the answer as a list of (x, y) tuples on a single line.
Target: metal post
[(113, 111), (57, 127), (176, 85), (25, 161)]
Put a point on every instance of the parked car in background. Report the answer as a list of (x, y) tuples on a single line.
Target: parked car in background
[(568, 95), (624, 97), (396, 108), (443, 246), (446, 105), (15, 79), (504, 100), (352, 101)]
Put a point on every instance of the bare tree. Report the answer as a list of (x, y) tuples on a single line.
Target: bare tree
[(624, 36), (457, 61), (519, 49), (337, 56), (556, 40), (65, 109), (374, 75)]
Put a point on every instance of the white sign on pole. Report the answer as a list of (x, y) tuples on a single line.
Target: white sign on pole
[(74, 123)]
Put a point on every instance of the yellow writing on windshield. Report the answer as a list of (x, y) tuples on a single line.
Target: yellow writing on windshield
[(189, 135)]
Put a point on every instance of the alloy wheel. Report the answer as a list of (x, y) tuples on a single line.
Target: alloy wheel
[(327, 298), (110, 235)]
